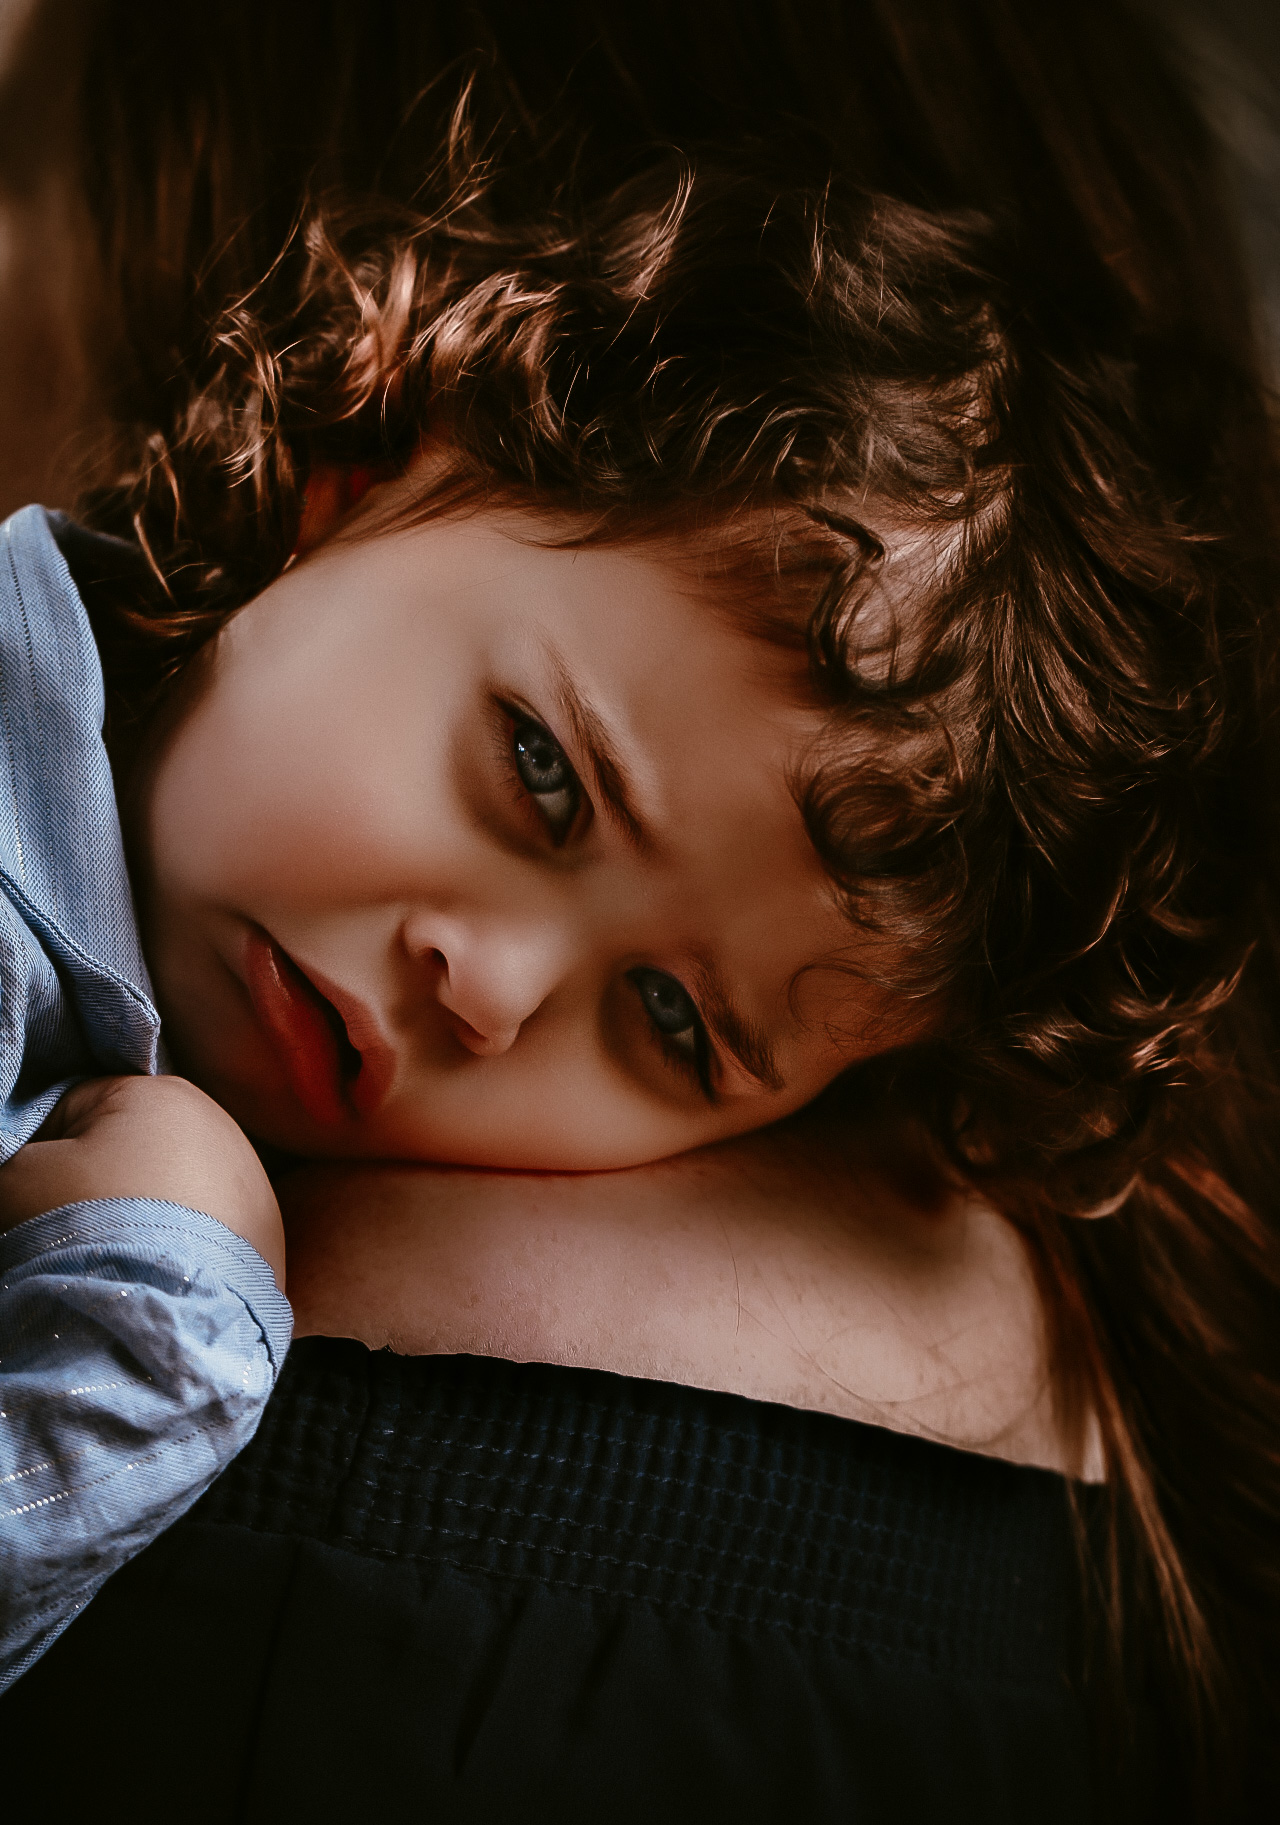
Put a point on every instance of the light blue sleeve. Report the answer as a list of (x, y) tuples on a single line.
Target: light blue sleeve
[(139, 1342)]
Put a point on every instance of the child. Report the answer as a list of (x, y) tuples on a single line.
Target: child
[(761, 581), (392, 914)]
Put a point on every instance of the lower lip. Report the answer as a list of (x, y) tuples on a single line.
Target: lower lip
[(290, 1011)]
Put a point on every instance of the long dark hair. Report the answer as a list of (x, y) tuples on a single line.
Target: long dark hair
[(969, 263)]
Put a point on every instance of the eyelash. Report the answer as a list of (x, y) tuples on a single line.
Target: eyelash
[(693, 1062), (534, 732)]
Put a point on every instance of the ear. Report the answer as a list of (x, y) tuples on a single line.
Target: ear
[(330, 494)]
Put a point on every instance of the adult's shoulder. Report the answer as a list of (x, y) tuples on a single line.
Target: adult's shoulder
[(779, 1266)]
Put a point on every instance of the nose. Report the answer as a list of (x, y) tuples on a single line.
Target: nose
[(490, 977)]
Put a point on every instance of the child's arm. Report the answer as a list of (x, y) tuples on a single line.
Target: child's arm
[(141, 1329), (145, 1137)]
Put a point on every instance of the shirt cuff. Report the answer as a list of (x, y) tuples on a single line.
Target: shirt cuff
[(155, 1232)]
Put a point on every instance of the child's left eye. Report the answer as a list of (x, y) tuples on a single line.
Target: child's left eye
[(543, 769)]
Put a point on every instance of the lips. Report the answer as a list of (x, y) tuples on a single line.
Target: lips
[(307, 1031)]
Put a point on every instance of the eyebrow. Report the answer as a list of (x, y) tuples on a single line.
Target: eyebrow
[(736, 1032), (608, 775)]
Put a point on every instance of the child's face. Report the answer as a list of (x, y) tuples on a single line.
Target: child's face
[(396, 906)]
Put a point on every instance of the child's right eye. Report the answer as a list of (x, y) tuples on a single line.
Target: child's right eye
[(543, 769)]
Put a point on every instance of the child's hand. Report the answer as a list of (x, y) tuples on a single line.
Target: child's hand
[(145, 1137)]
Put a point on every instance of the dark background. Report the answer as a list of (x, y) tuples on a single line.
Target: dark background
[(60, 349), (1231, 49)]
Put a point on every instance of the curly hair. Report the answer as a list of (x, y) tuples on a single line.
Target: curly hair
[(1049, 760)]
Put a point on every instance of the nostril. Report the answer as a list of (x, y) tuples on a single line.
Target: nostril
[(481, 1044), (482, 1009)]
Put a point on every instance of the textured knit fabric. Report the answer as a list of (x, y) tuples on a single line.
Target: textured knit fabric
[(138, 1341), (456, 1589)]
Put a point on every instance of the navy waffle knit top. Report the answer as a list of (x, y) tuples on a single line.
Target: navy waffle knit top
[(462, 1589)]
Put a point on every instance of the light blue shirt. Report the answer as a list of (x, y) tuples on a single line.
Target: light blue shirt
[(138, 1340)]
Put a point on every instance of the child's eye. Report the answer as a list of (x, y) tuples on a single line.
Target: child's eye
[(678, 1024), (544, 771)]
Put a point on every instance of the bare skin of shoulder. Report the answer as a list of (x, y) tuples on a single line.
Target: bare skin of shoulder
[(767, 1266)]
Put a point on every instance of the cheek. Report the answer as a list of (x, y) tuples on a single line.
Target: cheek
[(570, 1117), (295, 794)]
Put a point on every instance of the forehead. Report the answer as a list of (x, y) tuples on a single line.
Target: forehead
[(710, 722), (634, 631)]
